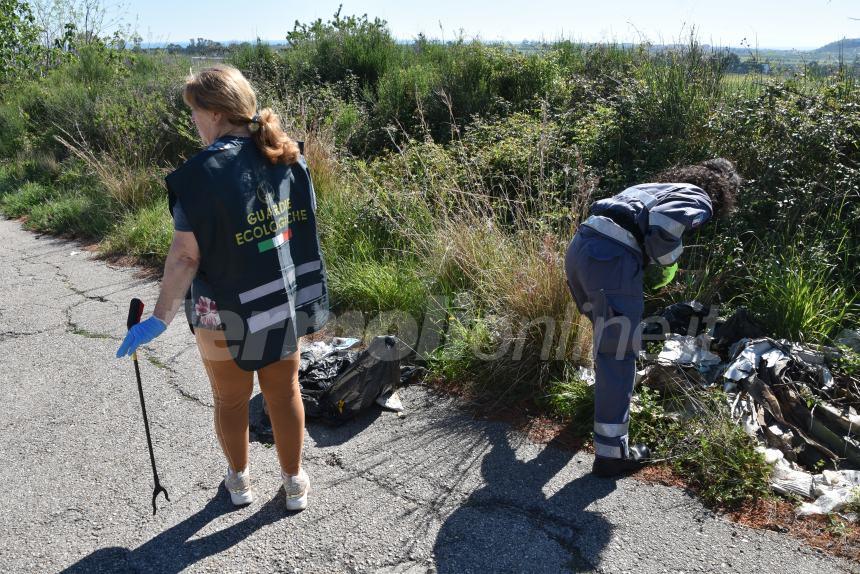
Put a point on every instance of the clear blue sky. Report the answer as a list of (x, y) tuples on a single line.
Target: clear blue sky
[(766, 23)]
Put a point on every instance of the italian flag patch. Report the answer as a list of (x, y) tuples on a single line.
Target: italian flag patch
[(275, 241)]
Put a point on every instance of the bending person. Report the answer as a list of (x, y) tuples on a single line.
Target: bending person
[(604, 264), (246, 243)]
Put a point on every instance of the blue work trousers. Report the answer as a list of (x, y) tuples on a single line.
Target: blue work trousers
[(605, 279)]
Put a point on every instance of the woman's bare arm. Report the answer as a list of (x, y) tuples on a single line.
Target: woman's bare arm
[(180, 267)]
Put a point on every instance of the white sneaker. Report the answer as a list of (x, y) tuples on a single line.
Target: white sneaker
[(296, 487), (239, 485)]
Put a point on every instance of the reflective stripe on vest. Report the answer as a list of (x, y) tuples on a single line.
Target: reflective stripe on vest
[(277, 284), (666, 223), (670, 257), (609, 228), (274, 316), (645, 197), (285, 311)]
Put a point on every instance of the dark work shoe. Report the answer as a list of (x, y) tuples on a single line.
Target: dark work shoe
[(607, 467)]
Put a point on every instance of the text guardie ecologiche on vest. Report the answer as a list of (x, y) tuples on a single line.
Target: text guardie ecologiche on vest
[(280, 217)]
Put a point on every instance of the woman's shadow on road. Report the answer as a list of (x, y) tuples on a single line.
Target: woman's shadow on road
[(511, 525), (172, 551)]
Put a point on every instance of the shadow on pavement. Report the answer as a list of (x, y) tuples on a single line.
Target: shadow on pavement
[(510, 525), (172, 551), (324, 434)]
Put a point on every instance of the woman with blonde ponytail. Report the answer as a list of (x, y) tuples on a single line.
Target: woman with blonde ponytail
[(245, 242)]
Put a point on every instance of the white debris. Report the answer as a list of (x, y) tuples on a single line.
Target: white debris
[(771, 455), (743, 407), (586, 375), (746, 364), (788, 480), (341, 343), (686, 350), (849, 338), (834, 489), (827, 382), (390, 401)]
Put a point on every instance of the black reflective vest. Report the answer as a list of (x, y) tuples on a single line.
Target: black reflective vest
[(255, 224)]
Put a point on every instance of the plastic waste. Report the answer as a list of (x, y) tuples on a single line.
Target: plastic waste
[(390, 401), (780, 392), (341, 383), (686, 350), (681, 318), (338, 380), (834, 490), (740, 325), (849, 338)]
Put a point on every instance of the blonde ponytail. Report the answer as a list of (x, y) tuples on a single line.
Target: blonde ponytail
[(272, 140)]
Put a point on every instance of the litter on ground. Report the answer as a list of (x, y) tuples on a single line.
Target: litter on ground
[(782, 393)]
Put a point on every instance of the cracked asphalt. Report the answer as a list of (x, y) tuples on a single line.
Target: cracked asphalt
[(435, 491)]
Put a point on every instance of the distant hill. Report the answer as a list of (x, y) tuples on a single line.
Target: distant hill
[(847, 45)]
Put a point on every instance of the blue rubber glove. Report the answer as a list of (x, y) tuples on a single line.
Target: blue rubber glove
[(141, 334)]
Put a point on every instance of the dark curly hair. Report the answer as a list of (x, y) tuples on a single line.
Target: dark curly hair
[(718, 177)]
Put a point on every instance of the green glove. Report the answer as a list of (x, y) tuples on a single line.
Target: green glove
[(657, 277)]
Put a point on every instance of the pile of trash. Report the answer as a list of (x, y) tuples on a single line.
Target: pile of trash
[(340, 378), (782, 393)]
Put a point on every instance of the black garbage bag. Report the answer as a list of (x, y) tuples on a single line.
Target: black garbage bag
[(317, 375), (682, 318), (373, 373), (740, 325), (337, 383)]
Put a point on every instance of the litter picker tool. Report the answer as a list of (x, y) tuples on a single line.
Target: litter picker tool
[(135, 311)]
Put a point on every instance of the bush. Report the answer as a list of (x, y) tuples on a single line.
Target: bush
[(78, 215), (800, 293), (145, 234), (690, 428), (573, 400), (19, 203), (720, 460), (334, 50), (8, 181), (13, 128), (693, 430), (371, 285)]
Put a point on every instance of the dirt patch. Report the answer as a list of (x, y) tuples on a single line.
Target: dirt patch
[(145, 268), (831, 534)]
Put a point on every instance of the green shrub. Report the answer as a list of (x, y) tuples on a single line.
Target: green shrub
[(691, 429), (8, 181), (800, 293), (13, 129), (29, 196), (572, 399), (721, 461), (457, 359), (694, 431), (371, 285), (78, 215), (145, 233), (341, 47)]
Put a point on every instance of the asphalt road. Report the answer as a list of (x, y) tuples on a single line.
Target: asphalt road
[(435, 491)]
